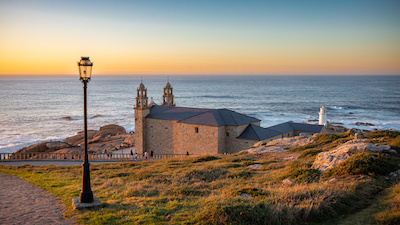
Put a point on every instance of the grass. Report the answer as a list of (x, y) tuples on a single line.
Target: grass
[(207, 189), (367, 164)]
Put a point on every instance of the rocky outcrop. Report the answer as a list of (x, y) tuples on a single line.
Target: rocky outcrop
[(364, 124), (281, 144), (107, 138), (328, 160), (51, 146)]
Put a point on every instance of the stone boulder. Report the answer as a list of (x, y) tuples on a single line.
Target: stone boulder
[(265, 149), (113, 129), (245, 195), (293, 141), (280, 144), (79, 138), (327, 160), (129, 140), (41, 147), (45, 147), (288, 182), (56, 145), (254, 166)]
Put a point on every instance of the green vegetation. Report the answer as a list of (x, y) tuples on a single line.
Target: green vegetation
[(222, 190), (382, 134), (302, 148), (367, 164), (385, 137), (327, 138)]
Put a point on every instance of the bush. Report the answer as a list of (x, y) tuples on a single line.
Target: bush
[(382, 133), (301, 148), (367, 164), (205, 159), (301, 172), (310, 152), (327, 138), (395, 144), (252, 191), (206, 175)]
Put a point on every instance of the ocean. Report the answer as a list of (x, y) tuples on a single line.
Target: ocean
[(35, 109)]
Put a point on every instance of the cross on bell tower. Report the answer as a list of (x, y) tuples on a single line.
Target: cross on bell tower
[(168, 97)]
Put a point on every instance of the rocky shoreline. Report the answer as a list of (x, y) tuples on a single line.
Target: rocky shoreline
[(114, 137), (108, 138)]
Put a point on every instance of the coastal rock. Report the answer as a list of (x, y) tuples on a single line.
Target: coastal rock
[(113, 129), (265, 149), (327, 160), (293, 141), (364, 124), (56, 145), (129, 140), (281, 144), (41, 147), (78, 138), (109, 138), (72, 150), (51, 146)]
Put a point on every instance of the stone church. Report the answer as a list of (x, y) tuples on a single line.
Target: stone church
[(167, 129)]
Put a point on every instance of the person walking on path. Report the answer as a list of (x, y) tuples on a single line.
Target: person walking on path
[(24, 203), (146, 155)]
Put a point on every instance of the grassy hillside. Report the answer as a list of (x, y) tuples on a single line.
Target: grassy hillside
[(222, 190)]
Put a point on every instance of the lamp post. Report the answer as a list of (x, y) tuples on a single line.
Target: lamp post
[(85, 71)]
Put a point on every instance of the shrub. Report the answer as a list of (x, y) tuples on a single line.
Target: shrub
[(395, 144), (310, 152), (241, 174), (252, 191), (326, 138), (301, 172), (367, 164), (301, 148), (382, 133), (205, 159), (206, 175)]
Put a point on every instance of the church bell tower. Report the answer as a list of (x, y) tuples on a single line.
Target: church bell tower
[(168, 97), (141, 111)]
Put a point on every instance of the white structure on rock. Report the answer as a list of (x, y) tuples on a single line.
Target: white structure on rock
[(322, 116)]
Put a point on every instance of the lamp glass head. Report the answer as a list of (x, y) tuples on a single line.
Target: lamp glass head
[(85, 69)]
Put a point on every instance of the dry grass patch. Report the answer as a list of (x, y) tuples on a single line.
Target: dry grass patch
[(205, 190)]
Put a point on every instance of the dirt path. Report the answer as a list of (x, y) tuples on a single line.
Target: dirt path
[(24, 203)]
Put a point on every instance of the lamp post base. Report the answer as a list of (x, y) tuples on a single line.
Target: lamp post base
[(86, 197), (79, 205)]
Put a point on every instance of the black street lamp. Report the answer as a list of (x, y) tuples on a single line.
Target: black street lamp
[(85, 71)]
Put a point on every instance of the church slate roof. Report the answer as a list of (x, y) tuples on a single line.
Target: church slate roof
[(258, 133), (210, 117), (253, 132)]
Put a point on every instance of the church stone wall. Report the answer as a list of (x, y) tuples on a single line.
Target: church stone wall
[(234, 144), (159, 136), (205, 141), (140, 139)]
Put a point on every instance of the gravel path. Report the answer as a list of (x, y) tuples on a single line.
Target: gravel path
[(24, 203)]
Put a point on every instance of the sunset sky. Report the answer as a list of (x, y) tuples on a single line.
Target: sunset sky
[(170, 37)]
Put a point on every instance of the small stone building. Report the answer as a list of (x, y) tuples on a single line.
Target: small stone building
[(166, 129)]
